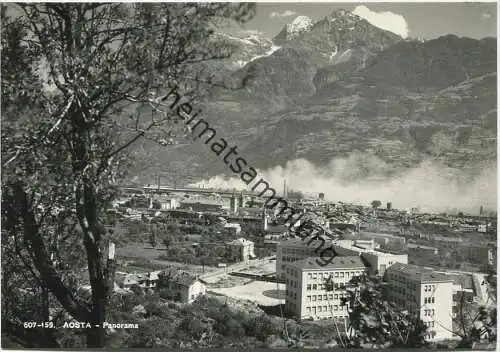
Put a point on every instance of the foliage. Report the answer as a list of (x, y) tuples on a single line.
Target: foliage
[(70, 72), (474, 323), (375, 321), (375, 204)]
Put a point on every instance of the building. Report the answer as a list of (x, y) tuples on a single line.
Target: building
[(143, 280), (314, 291), (426, 293), (295, 249), (240, 250), (275, 231), (183, 286), (376, 260), (203, 205)]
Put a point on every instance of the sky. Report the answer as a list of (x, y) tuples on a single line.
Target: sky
[(416, 20)]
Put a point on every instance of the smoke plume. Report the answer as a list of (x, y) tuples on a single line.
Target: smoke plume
[(362, 178)]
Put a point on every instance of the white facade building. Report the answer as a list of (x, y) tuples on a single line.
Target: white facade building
[(295, 249), (314, 291), (241, 250), (183, 286), (426, 293), (378, 261)]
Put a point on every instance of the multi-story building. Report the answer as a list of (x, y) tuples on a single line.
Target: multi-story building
[(240, 250), (378, 261), (295, 249), (426, 293), (314, 291)]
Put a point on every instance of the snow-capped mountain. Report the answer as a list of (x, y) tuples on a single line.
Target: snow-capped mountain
[(344, 85), (248, 45), (300, 25), (312, 54)]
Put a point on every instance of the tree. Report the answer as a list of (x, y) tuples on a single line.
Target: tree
[(167, 241), (70, 73), (474, 322), (375, 204), (375, 321)]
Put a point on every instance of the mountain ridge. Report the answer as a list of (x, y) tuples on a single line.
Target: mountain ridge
[(295, 103)]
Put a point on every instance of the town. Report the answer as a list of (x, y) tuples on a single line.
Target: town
[(226, 243), (184, 175)]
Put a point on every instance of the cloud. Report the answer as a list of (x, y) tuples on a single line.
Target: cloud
[(388, 21), (485, 16), (286, 13), (362, 177)]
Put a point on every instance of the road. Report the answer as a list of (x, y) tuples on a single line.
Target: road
[(234, 267)]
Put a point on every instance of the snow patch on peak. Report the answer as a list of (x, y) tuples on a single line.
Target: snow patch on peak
[(299, 25)]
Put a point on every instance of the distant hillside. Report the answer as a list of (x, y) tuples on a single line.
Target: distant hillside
[(341, 86)]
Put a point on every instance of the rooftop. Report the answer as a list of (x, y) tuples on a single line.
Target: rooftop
[(362, 250), (240, 241), (349, 262), (180, 277), (418, 273), (306, 242)]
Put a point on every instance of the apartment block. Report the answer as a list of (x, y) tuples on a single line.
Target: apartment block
[(377, 260), (426, 293), (315, 292), (295, 249)]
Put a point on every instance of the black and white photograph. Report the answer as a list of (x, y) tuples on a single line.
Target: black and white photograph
[(193, 175)]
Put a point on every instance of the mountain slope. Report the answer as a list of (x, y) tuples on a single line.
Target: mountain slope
[(403, 102)]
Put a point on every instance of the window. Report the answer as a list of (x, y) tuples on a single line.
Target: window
[(330, 296), (330, 308), (321, 276), (315, 287), (315, 275), (336, 274), (347, 274), (308, 298), (341, 274), (336, 296), (432, 312), (325, 297), (314, 298), (308, 287), (308, 310), (309, 275), (320, 297), (319, 309), (432, 299), (336, 308), (324, 308)]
